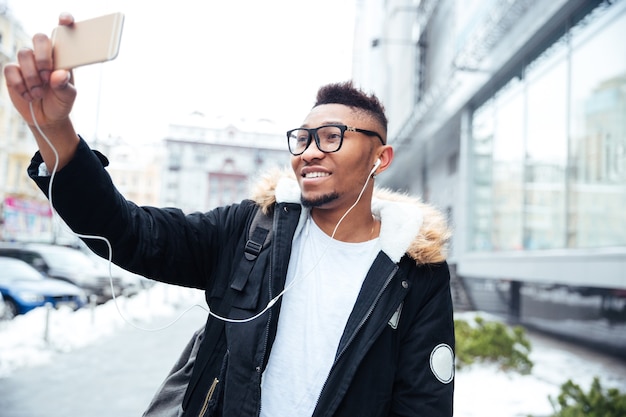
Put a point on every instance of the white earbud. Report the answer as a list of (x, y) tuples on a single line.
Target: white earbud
[(376, 165)]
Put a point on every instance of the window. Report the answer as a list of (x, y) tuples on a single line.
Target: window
[(598, 136), (548, 151)]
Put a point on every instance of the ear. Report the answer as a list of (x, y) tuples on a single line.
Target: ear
[(385, 154)]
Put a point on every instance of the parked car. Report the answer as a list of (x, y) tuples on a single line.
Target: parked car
[(2, 306), (66, 264), (130, 283), (23, 288)]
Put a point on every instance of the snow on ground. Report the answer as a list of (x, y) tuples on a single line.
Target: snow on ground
[(23, 339), (484, 391), (480, 391)]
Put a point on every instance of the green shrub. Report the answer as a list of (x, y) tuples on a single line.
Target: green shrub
[(492, 342), (598, 402)]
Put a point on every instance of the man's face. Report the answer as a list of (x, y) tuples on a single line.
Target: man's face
[(334, 180)]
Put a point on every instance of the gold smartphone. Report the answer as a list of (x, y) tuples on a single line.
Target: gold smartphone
[(88, 41)]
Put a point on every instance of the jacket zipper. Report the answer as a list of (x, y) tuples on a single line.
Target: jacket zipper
[(267, 334), (208, 397), (361, 324), (267, 327), (368, 314)]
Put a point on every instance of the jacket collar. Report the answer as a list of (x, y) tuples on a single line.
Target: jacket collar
[(408, 226)]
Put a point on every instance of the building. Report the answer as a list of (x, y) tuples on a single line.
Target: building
[(211, 162), (510, 115), (24, 212), (135, 169)]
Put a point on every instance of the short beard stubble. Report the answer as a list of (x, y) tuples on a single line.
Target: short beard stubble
[(319, 201)]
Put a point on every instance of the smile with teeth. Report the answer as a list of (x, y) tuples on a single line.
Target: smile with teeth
[(316, 174)]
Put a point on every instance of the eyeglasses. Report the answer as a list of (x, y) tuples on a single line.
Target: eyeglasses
[(328, 138)]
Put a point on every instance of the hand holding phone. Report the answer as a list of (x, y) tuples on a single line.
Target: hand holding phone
[(87, 42)]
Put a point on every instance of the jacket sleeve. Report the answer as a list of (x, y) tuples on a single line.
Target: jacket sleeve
[(160, 243), (424, 383)]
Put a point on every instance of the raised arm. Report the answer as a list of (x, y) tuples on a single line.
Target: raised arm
[(32, 81)]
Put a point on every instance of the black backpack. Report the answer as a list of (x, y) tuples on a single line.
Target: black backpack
[(173, 392)]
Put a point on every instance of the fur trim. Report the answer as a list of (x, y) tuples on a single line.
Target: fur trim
[(264, 190), (407, 224)]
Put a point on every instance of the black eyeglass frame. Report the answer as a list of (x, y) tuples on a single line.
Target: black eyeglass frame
[(313, 134)]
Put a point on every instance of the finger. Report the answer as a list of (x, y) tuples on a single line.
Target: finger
[(66, 19), (60, 79), (30, 74), (15, 82), (42, 48), (64, 91)]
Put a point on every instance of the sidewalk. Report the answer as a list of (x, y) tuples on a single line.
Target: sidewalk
[(114, 378), (118, 375)]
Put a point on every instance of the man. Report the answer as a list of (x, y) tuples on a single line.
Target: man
[(346, 312)]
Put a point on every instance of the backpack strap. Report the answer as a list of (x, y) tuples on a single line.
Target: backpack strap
[(259, 237)]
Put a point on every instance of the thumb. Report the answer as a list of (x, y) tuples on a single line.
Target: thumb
[(61, 81)]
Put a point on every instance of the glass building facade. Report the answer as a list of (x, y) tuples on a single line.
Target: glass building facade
[(519, 136), (548, 151)]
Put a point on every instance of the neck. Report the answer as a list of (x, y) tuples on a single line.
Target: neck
[(359, 225)]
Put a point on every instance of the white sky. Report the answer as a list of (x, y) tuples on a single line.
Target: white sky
[(239, 58), (480, 391)]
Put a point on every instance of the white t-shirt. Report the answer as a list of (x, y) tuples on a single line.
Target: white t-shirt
[(328, 276)]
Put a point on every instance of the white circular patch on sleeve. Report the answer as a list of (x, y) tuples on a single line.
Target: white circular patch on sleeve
[(442, 363)]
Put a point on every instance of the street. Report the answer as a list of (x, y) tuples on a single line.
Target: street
[(114, 377), (118, 374)]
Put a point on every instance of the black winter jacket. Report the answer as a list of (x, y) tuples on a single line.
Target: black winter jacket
[(395, 357)]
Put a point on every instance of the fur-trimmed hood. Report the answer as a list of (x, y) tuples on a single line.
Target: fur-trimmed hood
[(407, 224)]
